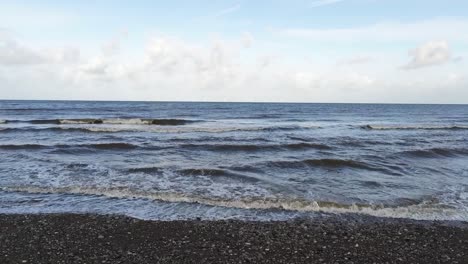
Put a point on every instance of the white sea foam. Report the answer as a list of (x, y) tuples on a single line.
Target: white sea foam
[(426, 210), (414, 127), (126, 121), (169, 129), (117, 121)]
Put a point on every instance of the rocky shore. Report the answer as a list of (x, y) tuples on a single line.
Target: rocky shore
[(69, 238)]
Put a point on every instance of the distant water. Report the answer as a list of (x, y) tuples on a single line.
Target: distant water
[(234, 160)]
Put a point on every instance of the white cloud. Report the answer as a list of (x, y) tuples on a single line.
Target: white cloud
[(171, 68), (429, 54), (96, 66), (113, 46), (66, 55), (247, 40), (357, 60), (13, 53)]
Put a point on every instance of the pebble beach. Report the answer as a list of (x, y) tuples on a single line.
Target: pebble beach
[(72, 238)]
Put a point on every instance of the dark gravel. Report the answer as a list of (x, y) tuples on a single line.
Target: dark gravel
[(68, 238)]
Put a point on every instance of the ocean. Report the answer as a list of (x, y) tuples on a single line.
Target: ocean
[(248, 161)]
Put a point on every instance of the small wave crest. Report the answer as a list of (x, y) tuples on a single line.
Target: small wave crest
[(59, 129), (436, 152), (99, 146), (146, 170), (326, 163), (415, 127), (98, 121), (23, 146), (208, 172), (298, 146), (421, 210), (113, 146), (204, 172), (256, 147), (137, 125)]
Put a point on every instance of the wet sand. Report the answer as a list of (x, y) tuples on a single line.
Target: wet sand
[(69, 238)]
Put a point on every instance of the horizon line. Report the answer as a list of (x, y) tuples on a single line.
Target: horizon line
[(228, 102)]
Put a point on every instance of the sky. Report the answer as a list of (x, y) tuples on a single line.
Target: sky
[(353, 51)]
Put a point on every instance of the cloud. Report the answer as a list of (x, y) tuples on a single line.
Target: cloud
[(356, 60), (247, 40), (96, 66), (319, 3), (68, 55), (206, 67), (4, 34), (429, 54), (113, 46), (172, 68), (13, 53)]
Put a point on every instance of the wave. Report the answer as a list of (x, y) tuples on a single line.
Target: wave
[(99, 146), (23, 146), (224, 147), (297, 146), (196, 172), (163, 127), (25, 109), (444, 127), (328, 163), (216, 173), (256, 147), (77, 165), (435, 152), (151, 129), (115, 121), (7, 130), (112, 146), (204, 172), (60, 129), (146, 170), (420, 210)]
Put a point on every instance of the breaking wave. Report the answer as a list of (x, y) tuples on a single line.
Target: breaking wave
[(62, 129), (421, 210), (115, 121), (415, 127), (140, 127)]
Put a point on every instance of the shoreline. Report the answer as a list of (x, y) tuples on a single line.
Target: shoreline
[(90, 238)]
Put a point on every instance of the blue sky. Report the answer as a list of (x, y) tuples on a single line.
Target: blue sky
[(313, 51)]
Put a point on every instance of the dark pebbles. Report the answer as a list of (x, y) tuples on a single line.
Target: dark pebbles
[(69, 238)]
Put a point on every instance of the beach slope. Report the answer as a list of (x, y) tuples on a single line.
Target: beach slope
[(69, 238)]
